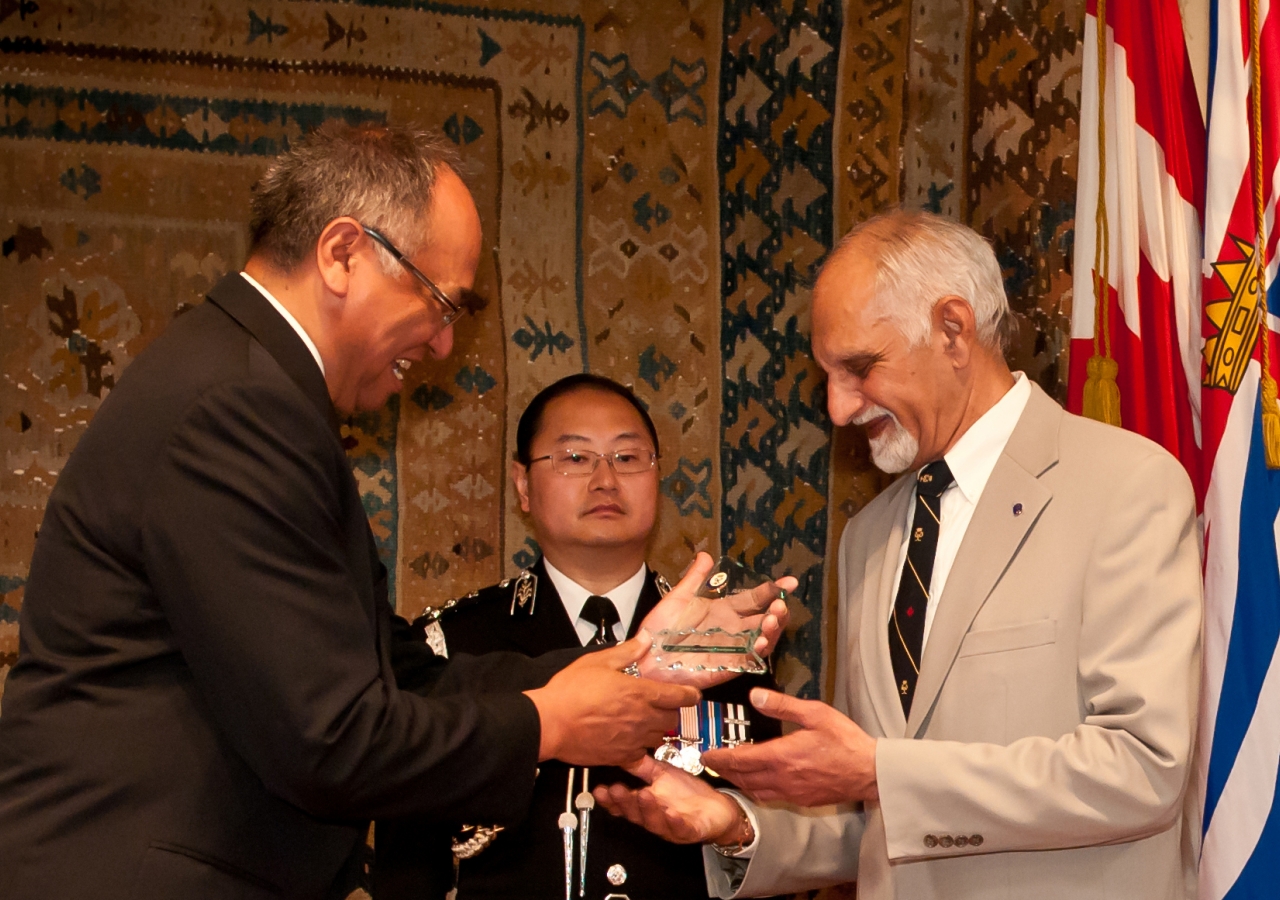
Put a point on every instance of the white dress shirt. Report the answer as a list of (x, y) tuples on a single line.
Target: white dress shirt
[(625, 597), (971, 461), (288, 317)]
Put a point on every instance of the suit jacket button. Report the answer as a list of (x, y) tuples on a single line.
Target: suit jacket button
[(930, 841), (961, 840), (975, 840), (946, 840)]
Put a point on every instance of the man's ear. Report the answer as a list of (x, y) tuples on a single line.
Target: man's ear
[(953, 317), (520, 479), (335, 253)]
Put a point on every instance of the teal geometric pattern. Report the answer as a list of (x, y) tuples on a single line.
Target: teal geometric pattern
[(370, 441), (234, 126), (775, 158), (618, 85), (689, 486)]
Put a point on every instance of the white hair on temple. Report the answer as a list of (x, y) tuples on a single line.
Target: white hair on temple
[(921, 258)]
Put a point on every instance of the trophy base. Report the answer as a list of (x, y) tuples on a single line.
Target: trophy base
[(712, 650)]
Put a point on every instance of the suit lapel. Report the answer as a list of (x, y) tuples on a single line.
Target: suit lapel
[(878, 584), (990, 544), (244, 303), (549, 627)]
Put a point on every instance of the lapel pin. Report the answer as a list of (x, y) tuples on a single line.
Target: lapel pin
[(1017, 509)]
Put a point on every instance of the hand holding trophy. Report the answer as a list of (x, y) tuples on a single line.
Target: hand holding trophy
[(719, 621)]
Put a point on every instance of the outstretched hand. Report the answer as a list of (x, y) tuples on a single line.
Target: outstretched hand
[(762, 607), (674, 805), (591, 714), (828, 759)]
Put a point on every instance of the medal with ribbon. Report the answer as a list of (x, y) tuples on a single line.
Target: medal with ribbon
[(707, 726)]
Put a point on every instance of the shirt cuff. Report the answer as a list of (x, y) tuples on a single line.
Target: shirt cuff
[(748, 850)]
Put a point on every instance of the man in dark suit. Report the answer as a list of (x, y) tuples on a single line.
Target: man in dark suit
[(203, 704), (586, 473)]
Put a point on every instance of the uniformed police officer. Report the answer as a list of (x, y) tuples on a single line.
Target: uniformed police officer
[(586, 473)]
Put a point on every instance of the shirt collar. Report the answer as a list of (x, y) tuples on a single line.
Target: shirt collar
[(288, 317), (626, 596), (975, 454)]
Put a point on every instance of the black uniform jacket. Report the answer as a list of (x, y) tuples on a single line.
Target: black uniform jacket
[(203, 704), (527, 860)]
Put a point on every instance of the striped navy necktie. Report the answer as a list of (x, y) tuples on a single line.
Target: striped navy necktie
[(906, 626)]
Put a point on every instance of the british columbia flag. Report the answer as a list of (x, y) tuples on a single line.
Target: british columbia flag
[(1240, 716)]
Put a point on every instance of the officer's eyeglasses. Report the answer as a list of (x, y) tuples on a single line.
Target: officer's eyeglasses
[(581, 463)]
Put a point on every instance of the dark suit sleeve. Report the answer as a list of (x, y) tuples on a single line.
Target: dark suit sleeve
[(421, 671), (249, 552)]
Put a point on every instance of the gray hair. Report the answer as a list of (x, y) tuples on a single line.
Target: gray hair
[(920, 258), (381, 175)]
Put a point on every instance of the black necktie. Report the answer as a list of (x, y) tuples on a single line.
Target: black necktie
[(600, 612), (906, 626)]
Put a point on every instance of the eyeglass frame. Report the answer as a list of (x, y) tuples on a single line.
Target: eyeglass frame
[(452, 311), (609, 459)]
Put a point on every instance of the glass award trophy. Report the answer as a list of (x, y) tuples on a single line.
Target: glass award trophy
[(709, 636)]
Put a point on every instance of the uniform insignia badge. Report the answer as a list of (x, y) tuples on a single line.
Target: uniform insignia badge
[(436, 640), (707, 726), (473, 839), (525, 594)]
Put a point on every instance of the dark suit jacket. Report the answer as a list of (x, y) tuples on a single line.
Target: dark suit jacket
[(203, 704), (527, 860)]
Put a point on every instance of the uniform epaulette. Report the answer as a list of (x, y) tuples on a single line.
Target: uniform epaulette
[(525, 592), (661, 583), (432, 615)]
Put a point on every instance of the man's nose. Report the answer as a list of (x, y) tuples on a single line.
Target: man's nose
[(844, 405), (442, 343), (604, 476)]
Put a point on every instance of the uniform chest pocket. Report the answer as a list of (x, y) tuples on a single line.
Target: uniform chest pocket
[(1009, 637)]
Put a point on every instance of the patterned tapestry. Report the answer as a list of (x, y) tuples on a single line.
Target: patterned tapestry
[(658, 182)]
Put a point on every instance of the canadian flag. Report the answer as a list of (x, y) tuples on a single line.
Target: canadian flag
[(1135, 333)]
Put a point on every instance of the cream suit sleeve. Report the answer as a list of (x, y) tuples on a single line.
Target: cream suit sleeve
[(1120, 773), (796, 849)]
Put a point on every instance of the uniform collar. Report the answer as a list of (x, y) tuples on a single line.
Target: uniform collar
[(573, 595)]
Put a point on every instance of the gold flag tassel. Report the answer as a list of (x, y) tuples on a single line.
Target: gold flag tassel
[(1101, 393), (1270, 417), (1270, 407)]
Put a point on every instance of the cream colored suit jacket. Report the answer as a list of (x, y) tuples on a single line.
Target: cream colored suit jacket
[(1048, 749)]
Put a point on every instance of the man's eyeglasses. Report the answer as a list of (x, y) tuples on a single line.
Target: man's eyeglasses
[(581, 463), (451, 310)]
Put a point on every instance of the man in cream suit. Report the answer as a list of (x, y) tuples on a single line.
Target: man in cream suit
[(1019, 627)]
